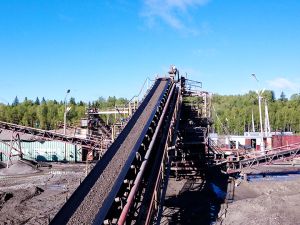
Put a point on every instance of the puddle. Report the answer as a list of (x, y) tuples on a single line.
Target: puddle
[(274, 176), (218, 191), (214, 205), (214, 210), (56, 187), (59, 172)]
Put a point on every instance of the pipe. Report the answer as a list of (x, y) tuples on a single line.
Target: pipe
[(138, 179)]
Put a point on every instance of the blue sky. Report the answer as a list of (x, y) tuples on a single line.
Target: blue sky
[(109, 47)]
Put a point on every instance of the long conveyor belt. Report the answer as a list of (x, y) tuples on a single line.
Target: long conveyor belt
[(92, 199)]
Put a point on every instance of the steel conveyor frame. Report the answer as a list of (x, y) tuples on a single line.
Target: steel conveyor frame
[(66, 212)]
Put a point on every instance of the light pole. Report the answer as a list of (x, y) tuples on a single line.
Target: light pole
[(259, 93), (66, 111)]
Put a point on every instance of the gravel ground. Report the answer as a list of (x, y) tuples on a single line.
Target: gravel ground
[(269, 200), (31, 196)]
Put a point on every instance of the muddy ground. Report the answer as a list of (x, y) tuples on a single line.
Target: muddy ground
[(265, 199), (271, 198), (31, 196)]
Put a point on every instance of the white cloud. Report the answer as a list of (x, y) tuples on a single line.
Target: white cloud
[(174, 13), (281, 83)]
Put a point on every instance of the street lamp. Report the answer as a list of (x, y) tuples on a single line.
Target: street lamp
[(67, 109), (259, 93)]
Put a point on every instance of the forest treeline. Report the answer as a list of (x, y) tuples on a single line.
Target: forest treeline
[(49, 114), (233, 113)]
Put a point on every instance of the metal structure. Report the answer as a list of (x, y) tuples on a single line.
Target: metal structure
[(14, 144), (236, 164), (98, 128), (235, 160), (188, 156), (92, 145), (120, 177), (167, 135)]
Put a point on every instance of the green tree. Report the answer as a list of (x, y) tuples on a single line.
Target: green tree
[(282, 97), (16, 101), (295, 97), (43, 101), (37, 101), (111, 101), (42, 116), (72, 101)]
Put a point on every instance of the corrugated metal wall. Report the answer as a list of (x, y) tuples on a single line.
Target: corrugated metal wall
[(282, 140), (45, 151)]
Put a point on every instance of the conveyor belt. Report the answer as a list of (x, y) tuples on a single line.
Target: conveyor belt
[(92, 199), (48, 135)]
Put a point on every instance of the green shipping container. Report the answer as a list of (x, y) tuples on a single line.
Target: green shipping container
[(44, 151)]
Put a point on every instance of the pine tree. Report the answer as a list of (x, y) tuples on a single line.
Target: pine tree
[(43, 101), (282, 97), (16, 101), (37, 101), (72, 101)]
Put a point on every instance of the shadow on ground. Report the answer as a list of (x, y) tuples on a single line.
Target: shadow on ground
[(199, 201)]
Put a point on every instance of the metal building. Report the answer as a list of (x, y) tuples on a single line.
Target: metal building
[(35, 149)]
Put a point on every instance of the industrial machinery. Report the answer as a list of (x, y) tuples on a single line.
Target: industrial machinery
[(167, 135), (123, 187), (127, 185)]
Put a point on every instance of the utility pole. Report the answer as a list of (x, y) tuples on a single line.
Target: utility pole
[(253, 127), (259, 93), (267, 121), (65, 120), (66, 111)]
